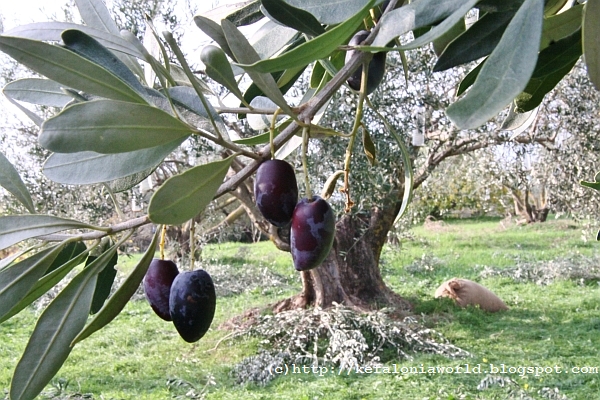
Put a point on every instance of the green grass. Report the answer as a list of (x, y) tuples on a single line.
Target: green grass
[(139, 356)]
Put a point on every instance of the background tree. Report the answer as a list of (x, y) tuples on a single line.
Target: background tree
[(116, 126)]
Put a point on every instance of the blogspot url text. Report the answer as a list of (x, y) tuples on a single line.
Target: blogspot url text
[(422, 369)]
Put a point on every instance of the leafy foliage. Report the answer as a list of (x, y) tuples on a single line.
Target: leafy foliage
[(112, 110)]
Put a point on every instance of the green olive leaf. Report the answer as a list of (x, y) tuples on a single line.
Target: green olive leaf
[(11, 181), (47, 281), (88, 47), (115, 303), (37, 91), (110, 126), (88, 167), (68, 68), (50, 343), (478, 41), (244, 53), (293, 17), (18, 279), (15, 228), (184, 196), (219, 69), (506, 72), (315, 49), (104, 283), (591, 40)]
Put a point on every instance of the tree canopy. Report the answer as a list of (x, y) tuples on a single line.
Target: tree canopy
[(120, 108)]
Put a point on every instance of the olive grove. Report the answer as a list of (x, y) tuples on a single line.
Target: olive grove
[(114, 110)]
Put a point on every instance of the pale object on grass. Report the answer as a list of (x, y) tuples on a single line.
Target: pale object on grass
[(468, 293)]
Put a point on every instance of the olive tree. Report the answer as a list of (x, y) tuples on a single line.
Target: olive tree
[(122, 109)]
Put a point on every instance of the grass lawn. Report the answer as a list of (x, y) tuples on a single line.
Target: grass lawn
[(545, 273)]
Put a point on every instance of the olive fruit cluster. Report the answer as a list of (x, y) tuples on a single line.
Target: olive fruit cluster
[(376, 66), (187, 298), (312, 220)]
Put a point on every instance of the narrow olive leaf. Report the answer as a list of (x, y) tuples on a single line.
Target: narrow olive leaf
[(15, 228), (47, 282), (86, 168), (68, 68), (506, 72), (561, 25), (559, 54), (415, 15), (272, 37), (440, 29), (88, 47), (289, 77), (17, 280), (554, 62), (11, 181), (518, 122), (51, 31), (491, 6), (553, 6), (95, 14), (408, 173), (106, 278), (469, 79), (537, 88), (215, 32), (8, 260), (70, 251), (329, 186), (450, 35), (331, 12), (478, 41), (219, 69), (293, 17), (248, 14), (37, 120), (369, 147), (591, 40), (44, 92), (187, 98), (592, 185), (115, 303), (244, 53), (184, 196), (255, 140), (109, 126), (316, 75), (50, 343), (315, 49), (181, 79)]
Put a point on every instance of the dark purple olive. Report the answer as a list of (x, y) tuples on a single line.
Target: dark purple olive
[(192, 304), (276, 191), (157, 286), (312, 233), (376, 65)]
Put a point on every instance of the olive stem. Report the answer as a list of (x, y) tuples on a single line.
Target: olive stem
[(228, 145), (305, 132), (353, 134), (161, 245), (114, 200), (188, 72), (192, 245), (272, 133)]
